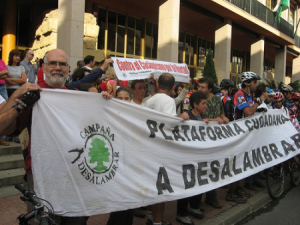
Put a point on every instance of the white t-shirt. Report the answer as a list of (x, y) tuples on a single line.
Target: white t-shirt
[(143, 102), (162, 103), (1, 100)]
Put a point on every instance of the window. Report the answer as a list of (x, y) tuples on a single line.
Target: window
[(120, 26), (201, 52), (121, 33), (101, 23), (111, 39), (151, 39)]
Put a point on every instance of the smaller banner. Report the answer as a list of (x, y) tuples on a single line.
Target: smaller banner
[(135, 69)]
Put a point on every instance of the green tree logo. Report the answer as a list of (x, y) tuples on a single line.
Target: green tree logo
[(99, 153)]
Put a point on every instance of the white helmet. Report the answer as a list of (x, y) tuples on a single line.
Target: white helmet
[(286, 88), (248, 76)]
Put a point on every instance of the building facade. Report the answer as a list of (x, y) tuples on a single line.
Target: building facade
[(243, 34)]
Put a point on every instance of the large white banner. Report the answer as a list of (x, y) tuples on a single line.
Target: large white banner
[(133, 69), (92, 156)]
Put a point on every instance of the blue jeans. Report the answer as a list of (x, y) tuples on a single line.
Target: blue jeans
[(3, 93)]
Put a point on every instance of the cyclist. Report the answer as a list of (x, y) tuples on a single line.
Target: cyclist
[(287, 94), (269, 100), (226, 91), (295, 107), (278, 103), (245, 106)]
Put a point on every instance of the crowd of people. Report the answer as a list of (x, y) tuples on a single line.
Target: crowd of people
[(199, 100)]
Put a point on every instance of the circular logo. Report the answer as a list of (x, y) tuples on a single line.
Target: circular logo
[(98, 153)]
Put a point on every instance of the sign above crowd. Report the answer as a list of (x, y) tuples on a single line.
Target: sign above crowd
[(111, 155), (134, 69)]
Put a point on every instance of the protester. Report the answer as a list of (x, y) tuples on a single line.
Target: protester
[(56, 69), (198, 105), (278, 103), (124, 217), (91, 77), (269, 98), (244, 106), (226, 86), (89, 62), (162, 102), (287, 94), (138, 89), (234, 193), (214, 112), (30, 70)]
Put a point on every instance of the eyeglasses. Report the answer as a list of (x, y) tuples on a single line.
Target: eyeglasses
[(62, 65), (30, 54)]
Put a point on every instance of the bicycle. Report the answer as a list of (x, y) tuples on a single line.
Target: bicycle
[(45, 217), (276, 176)]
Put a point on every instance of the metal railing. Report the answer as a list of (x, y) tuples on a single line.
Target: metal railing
[(265, 14)]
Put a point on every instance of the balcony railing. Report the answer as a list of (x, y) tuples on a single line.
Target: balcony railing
[(265, 14)]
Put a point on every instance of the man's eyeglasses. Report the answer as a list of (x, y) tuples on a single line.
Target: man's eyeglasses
[(30, 54), (62, 65)]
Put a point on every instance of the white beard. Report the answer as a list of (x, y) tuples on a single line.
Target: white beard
[(55, 81)]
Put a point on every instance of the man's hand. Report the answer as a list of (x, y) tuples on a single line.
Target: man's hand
[(219, 120), (184, 116), (106, 95), (106, 64), (26, 88), (225, 120), (206, 120), (30, 98)]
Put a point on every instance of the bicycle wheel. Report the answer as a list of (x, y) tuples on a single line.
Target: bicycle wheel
[(275, 181), (295, 172)]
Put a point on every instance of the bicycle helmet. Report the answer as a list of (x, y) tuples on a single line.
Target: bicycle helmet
[(286, 88), (217, 89), (278, 97), (296, 95), (270, 91), (235, 89), (248, 76), (226, 83)]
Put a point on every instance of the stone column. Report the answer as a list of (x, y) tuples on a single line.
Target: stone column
[(223, 36), (257, 56), (280, 64), (296, 69), (9, 28), (168, 31), (71, 29)]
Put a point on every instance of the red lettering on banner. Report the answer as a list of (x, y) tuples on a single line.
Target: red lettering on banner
[(142, 64), (137, 65), (125, 65), (168, 67)]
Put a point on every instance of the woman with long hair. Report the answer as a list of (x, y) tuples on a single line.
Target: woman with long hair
[(15, 79)]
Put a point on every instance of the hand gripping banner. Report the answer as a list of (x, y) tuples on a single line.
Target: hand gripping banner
[(93, 156)]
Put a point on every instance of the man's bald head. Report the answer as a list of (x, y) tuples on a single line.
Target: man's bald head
[(166, 82), (56, 68)]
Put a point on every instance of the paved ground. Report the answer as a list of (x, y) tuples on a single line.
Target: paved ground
[(11, 207), (282, 211)]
